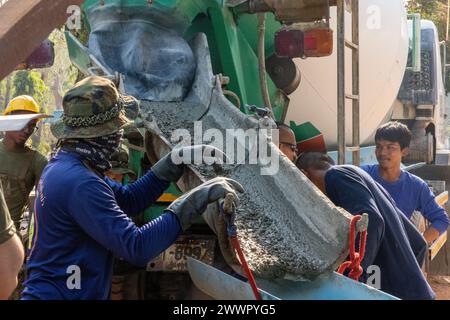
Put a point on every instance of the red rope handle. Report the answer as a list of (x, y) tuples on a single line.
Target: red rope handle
[(248, 272), (354, 264)]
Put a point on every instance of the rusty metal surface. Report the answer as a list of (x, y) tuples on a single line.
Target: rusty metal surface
[(301, 10), (291, 11), (25, 24)]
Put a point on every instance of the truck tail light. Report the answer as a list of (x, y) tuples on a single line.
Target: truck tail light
[(42, 57), (318, 42), (296, 43)]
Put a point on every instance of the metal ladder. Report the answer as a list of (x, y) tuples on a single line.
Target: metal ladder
[(342, 96)]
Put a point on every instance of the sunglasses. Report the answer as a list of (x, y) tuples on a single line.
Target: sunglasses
[(293, 147)]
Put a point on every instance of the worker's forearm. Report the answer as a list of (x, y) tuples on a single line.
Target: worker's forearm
[(136, 197), (430, 235), (11, 259)]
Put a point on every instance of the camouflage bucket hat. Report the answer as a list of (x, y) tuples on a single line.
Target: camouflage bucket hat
[(94, 108)]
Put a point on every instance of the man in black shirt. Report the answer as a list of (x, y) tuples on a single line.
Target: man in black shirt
[(393, 243)]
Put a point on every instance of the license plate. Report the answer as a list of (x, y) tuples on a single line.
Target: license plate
[(175, 257)]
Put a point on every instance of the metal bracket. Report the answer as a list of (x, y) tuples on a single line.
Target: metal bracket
[(260, 112)]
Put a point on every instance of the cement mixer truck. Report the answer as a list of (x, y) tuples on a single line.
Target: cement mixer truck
[(390, 44), (278, 54), (210, 61)]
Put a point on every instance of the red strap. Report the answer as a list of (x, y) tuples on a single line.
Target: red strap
[(248, 272), (354, 264)]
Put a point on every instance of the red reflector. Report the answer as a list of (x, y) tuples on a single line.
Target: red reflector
[(289, 43), (295, 43)]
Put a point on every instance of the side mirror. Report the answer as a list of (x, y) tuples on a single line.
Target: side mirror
[(445, 66), (416, 42), (42, 57)]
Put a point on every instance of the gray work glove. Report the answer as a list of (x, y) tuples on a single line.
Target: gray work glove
[(195, 201), (170, 168)]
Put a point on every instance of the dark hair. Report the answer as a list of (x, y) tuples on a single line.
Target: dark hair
[(396, 132), (314, 160)]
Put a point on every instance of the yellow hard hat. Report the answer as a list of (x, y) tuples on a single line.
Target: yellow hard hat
[(22, 103)]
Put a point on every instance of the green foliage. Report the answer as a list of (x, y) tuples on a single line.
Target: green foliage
[(62, 70), (47, 86), (45, 141), (31, 83), (434, 10)]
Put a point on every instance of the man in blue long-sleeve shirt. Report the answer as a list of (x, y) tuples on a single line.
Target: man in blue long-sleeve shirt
[(410, 192), (81, 217), (393, 243)]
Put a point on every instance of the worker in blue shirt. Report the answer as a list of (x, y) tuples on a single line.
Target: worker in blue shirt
[(393, 243), (81, 220), (410, 192)]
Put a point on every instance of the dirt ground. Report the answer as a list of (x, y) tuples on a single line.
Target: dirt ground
[(441, 286)]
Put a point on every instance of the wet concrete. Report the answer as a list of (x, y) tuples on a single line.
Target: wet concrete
[(279, 239)]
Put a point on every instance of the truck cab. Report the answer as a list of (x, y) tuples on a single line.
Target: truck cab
[(421, 99)]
